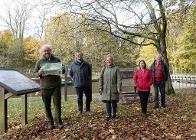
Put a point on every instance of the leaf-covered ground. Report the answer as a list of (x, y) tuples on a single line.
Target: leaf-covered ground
[(177, 121)]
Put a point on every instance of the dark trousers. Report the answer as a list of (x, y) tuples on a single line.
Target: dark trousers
[(159, 87), (47, 94), (144, 100), (111, 107), (88, 93)]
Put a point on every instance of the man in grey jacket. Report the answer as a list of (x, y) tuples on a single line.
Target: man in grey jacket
[(81, 73)]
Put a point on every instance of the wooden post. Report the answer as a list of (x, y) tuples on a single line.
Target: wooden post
[(65, 91), (24, 109), (65, 86), (3, 111)]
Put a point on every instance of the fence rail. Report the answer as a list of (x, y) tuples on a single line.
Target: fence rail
[(184, 78)]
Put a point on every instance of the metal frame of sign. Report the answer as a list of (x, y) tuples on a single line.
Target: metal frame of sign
[(5, 93), (20, 92)]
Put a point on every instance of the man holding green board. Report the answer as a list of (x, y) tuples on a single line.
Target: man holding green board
[(49, 69)]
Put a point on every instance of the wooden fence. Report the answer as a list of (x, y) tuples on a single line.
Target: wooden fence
[(184, 78)]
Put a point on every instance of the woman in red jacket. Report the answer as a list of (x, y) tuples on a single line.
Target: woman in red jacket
[(143, 80)]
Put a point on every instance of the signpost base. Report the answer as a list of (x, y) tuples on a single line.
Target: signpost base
[(3, 111)]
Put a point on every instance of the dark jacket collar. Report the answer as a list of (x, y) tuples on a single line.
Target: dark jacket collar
[(79, 63), (51, 57), (161, 62)]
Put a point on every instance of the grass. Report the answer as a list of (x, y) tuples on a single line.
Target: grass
[(35, 108)]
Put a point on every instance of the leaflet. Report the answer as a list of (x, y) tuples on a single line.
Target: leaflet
[(51, 69)]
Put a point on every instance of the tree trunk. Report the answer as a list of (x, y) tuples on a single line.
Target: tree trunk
[(169, 88), (163, 52)]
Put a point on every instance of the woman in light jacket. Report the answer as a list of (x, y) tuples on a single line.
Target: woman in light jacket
[(143, 80), (110, 87)]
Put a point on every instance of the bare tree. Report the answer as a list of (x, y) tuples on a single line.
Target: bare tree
[(17, 17), (140, 22), (16, 20), (40, 27)]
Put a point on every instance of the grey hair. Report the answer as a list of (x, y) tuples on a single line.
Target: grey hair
[(79, 52), (46, 46), (158, 56), (109, 55)]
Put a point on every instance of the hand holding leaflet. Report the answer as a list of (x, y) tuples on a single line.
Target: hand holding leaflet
[(51, 69)]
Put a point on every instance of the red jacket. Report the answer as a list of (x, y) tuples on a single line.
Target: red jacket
[(142, 80)]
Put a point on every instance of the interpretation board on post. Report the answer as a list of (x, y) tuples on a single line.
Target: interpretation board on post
[(14, 83), (17, 83)]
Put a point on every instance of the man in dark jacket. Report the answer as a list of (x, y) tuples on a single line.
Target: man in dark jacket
[(50, 86), (81, 73), (160, 76)]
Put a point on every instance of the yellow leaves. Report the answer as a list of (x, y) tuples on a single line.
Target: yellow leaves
[(6, 36), (178, 137), (184, 117), (114, 137), (111, 131), (137, 108), (147, 53), (31, 48), (162, 125)]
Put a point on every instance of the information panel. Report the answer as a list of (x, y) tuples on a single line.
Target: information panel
[(51, 69), (17, 83)]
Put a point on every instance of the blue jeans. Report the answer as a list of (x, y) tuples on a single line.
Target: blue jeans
[(159, 87), (88, 93)]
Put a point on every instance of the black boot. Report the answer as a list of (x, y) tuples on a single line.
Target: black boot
[(108, 118), (114, 115), (60, 125), (50, 125)]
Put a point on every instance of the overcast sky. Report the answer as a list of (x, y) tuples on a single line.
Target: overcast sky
[(10, 4), (33, 23)]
